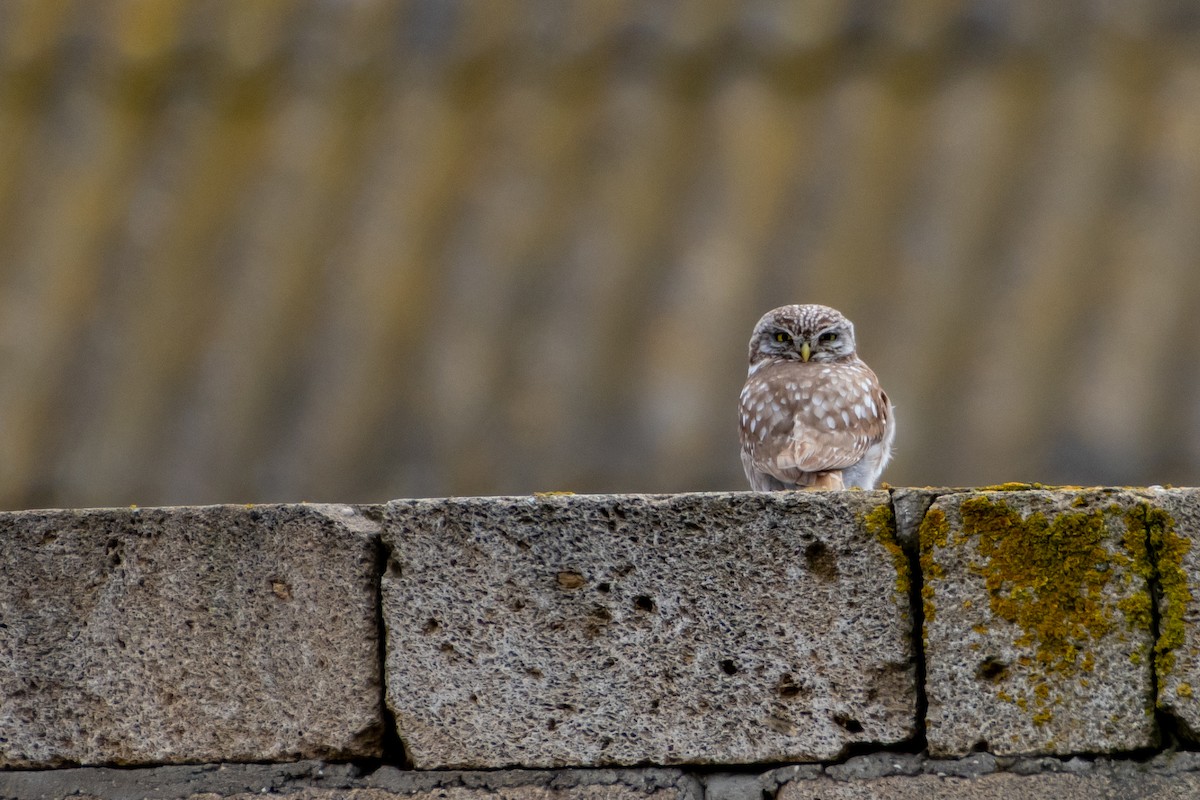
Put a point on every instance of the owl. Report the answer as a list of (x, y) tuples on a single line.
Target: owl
[(812, 413)]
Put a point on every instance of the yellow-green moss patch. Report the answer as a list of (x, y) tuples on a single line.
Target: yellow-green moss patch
[(933, 533), (1050, 577), (1169, 548), (1045, 577), (880, 523)]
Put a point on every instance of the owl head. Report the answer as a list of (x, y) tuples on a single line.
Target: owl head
[(802, 333)]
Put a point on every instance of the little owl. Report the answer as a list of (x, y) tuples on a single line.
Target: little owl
[(812, 413)]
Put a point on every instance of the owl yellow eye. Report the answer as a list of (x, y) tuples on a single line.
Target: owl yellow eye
[(827, 338), (782, 337)]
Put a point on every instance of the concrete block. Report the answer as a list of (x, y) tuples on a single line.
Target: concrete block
[(1037, 622), (588, 792), (1000, 786), (313, 780), (1174, 526), (138, 636), (623, 629)]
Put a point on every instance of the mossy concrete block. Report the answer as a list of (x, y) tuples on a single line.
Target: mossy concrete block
[(622, 629), (161, 636), (1174, 526), (1037, 622)]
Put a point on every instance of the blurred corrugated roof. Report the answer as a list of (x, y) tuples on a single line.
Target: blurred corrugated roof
[(352, 250)]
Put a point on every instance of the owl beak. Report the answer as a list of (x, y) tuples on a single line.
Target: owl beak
[(805, 351)]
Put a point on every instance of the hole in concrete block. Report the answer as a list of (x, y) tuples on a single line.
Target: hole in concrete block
[(787, 686), (821, 561), (728, 667), (113, 551), (570, 580), (849, 723), (644, 603), (991, 669)]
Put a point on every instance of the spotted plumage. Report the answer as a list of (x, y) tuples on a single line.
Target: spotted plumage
[(812, 414)]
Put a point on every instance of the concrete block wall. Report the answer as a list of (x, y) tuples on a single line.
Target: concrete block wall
[(1007, 642)]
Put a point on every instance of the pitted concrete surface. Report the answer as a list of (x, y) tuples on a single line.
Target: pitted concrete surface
[(593, 630), (158, 636)]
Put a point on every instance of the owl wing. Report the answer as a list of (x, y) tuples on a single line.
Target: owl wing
[(815, 421)]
